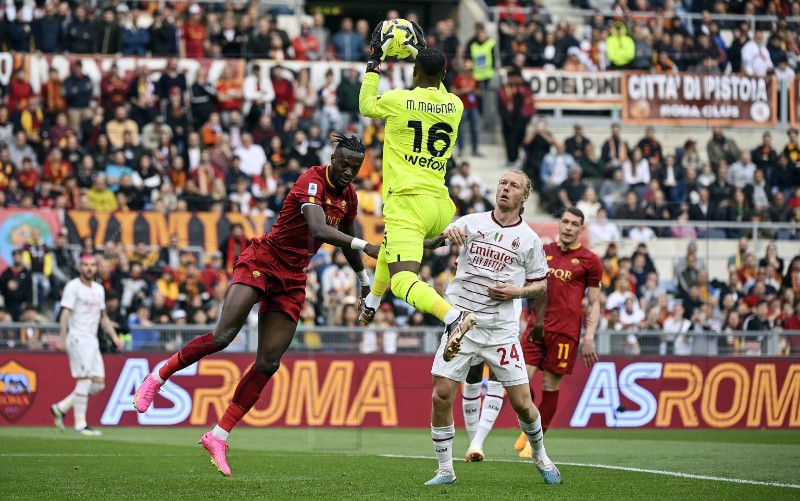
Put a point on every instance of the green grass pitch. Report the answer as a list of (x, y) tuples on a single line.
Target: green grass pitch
[(278, 463)]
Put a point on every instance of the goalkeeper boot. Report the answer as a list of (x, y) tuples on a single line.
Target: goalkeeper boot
[(442, 477), (218, 450), (455, 333), (548, 469), (365, 314), (146, 393)]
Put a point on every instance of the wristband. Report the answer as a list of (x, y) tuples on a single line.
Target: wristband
[(363, 278), (358, 244)]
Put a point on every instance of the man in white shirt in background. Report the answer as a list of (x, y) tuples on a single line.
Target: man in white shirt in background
[(83, 310), (251, 155)]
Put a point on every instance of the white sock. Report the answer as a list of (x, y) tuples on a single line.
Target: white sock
[(220, 433), (443, 445), (451, 316), (492, 403), (471, 406), (65, 405), (157, 377), (96, 388), (535, 435), (80, 401), (372, 301)]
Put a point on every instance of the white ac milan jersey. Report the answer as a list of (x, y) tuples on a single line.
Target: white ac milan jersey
[(495, 254), (86, 303)]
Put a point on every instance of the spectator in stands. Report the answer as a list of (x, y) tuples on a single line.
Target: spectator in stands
[(615, 149), (575, 145), (251, 155), (555, 170), (741, 172), (572, 189), (764, 155), (107, 34), (757, 192), (538, 142), (348, 44), (135, 37), (100, 197), (643, 49), (18, 93), (756, 59), (258, 95), (48, 31), (79, 38), (722, 148), (163, 34), (792, 148), (16, 285), (466, 87), (620, 48), (306, 45), (78, 89), (636, 171), (515, 101), (284, 95)]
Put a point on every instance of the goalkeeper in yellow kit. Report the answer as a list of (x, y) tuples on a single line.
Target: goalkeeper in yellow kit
[(421, 128)]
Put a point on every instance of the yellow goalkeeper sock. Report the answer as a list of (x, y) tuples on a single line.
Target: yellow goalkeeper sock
[(419, 294)]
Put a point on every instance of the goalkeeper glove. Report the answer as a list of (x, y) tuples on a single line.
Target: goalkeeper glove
[(420, 44), (377, 45)]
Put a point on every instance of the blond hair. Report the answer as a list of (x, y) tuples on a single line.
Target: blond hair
[(527, 184)]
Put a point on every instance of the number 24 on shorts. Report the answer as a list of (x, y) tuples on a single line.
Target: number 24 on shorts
[(505, 354)]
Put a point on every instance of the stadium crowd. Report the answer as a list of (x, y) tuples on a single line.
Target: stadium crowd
[(158, 142), (654, 35)]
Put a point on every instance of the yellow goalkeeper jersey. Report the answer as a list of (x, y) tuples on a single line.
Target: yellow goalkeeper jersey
[(421, 131)]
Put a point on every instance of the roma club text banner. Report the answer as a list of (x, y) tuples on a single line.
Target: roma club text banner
[(382, 391)]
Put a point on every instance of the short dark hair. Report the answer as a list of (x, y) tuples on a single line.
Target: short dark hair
[(351, 143), (431, 61), (575, 212)]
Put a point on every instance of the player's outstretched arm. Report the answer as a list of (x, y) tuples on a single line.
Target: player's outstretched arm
[(353, 257), (320, 230)]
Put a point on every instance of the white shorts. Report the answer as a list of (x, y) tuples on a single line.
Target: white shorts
[(85, 360), (505, 359)]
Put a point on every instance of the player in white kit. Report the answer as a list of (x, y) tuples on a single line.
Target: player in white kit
[(501, 261), (83, 309)]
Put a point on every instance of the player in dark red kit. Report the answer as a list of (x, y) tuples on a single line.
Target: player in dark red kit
[(270, 270), (550, 343)]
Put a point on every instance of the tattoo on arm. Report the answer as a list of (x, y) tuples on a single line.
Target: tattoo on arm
[(534, 289)]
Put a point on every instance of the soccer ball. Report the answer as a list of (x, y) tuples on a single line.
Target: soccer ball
[(403, 31)]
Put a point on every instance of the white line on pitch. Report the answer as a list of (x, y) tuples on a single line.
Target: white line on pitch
[(627, 468)]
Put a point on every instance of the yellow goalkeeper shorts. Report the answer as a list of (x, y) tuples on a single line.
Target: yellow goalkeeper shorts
[(409, 220)]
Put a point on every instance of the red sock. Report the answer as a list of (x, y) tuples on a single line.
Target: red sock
[(548, 407), (244, 398), (194, 350)]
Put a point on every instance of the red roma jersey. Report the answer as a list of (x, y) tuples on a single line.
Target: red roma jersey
[(290, 240), (571, 272)]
